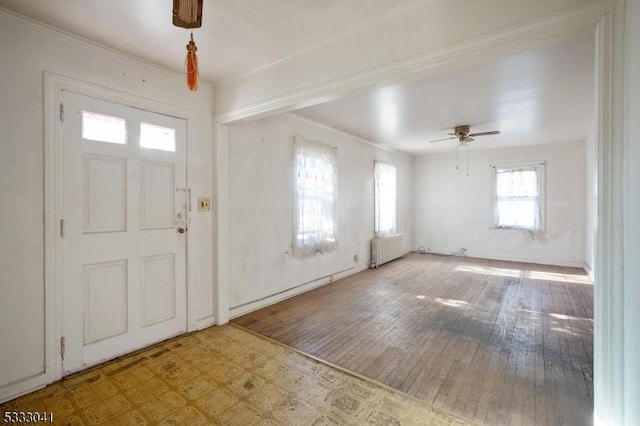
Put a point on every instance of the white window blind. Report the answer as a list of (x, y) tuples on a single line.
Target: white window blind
[(518, 197), (314, 198), (385, 199)]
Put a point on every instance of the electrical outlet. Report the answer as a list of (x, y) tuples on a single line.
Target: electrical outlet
[(204, 204), (355, 258)]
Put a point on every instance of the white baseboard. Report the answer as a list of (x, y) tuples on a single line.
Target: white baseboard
[(529, 259), (588, 270), (525, 259), (245, 308)]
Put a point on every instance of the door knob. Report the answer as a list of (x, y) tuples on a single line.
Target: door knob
[(181, 230)]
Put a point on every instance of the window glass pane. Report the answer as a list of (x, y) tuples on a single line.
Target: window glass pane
[(103, 128), (310, 223), (385, 199), (517, 183), (314, 198), (517, 213), (157, 137)]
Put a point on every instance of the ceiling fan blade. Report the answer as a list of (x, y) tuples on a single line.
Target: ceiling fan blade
[(445, 139), (495, 132), (467, 139)]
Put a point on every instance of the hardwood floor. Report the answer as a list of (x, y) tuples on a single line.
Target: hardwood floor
[(499, 342)]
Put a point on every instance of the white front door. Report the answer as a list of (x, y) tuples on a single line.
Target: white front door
[(124, 242)]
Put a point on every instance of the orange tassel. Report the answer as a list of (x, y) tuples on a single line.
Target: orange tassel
[(191, 65)]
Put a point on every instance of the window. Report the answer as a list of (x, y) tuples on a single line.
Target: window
[(385, 199), (518, 196), (157, 137), (103, 128), (314, 187)]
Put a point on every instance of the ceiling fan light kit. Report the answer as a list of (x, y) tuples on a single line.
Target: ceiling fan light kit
[(464, 136)]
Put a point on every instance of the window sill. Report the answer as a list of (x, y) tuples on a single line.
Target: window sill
[(526, 231)]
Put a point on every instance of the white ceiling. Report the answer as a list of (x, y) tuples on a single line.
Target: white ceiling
[(237, 36), (542, 96)]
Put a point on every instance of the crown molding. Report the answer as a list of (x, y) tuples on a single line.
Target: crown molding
[(345, 134)]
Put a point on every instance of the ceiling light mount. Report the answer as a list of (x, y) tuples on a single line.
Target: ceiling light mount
[(187, 13), (461, 131)]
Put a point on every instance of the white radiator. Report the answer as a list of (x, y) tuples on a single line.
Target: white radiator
[(386, 249)]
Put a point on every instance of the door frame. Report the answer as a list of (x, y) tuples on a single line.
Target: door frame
[(54, 86)]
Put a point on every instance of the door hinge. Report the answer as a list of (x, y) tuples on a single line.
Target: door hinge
[(62, 347), (62, 228), (62, 112)]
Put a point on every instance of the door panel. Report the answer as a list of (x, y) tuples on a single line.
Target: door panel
[(105, 193), (105, 309), (157, 195), (158, 286), (124, 261)]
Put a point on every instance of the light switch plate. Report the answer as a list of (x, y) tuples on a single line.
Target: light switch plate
[(204, 204)]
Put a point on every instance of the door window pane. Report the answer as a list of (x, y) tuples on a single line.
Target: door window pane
[(157, 137), (103, 128)]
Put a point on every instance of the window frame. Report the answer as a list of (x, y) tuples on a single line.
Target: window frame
[(540, 168), (300, 249)]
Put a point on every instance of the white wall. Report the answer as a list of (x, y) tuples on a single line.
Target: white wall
[(260, 200), (27, 50), (454, 211)]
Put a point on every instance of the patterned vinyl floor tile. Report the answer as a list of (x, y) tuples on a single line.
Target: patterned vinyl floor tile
[(225, 376)]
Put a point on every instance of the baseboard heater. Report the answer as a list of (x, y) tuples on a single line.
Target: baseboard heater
[(386, 249)]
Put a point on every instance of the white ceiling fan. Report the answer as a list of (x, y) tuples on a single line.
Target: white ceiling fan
[(464, 135)]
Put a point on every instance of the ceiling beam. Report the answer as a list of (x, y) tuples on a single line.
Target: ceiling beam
[(330, 72)]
